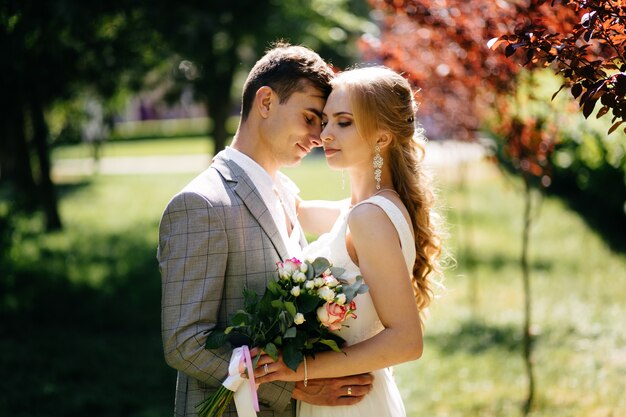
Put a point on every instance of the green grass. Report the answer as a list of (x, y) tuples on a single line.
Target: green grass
[(80, 332), (178, 146)]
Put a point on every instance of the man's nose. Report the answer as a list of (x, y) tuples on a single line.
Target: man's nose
[(316, 141)]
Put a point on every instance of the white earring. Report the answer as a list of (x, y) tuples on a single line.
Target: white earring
[(378, 164)]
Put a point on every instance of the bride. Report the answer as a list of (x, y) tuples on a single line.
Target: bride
[(387, 234)]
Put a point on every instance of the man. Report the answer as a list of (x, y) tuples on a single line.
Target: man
[(230, 225)]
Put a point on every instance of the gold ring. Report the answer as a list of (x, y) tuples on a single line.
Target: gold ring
[(349, 390), (265, 369)]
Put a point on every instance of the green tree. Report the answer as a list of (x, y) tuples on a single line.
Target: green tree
[(52, 50), (213, 41)]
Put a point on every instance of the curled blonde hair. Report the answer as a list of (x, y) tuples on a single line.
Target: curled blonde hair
[(382, 100)]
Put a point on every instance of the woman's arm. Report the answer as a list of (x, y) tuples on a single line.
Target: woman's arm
[(382, 265), (318, 216)]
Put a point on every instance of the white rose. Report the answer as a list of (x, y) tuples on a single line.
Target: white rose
[(298, 319), (304, 267), (326, 294), (309, 285), (318, 282), (340, 299), (331, 281), (299, 276), (295, 291)]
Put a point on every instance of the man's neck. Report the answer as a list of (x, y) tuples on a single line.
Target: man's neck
[(249, 146)]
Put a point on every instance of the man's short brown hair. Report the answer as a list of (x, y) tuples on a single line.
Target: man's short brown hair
[(286, 69)]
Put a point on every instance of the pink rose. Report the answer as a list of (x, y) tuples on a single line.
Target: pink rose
[(287, 268), (332, 315)]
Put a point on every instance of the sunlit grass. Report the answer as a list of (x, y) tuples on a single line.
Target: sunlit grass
[(576, 279), (178, 146), (100, 351)]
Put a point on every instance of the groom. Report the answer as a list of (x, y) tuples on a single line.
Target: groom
[(229, 226)]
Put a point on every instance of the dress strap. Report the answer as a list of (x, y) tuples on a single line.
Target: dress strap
[(404, 229)]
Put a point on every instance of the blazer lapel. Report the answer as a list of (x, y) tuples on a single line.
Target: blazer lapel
[(252, 199)]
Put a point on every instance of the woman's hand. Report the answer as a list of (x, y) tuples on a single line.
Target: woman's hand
[(268, 370)]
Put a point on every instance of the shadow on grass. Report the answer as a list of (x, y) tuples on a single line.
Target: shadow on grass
[(499, 261), (84, 346), (475, 337)]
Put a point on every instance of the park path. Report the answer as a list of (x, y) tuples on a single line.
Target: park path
[(439, 153)]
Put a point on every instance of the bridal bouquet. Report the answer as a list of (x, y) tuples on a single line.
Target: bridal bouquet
[(297, 315)]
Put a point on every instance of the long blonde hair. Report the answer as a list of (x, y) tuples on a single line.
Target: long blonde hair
[(382, 99)]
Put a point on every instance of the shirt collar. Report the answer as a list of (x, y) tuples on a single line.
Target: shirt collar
[(259, 176)]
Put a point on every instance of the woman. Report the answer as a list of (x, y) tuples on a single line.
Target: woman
[(387, 235)]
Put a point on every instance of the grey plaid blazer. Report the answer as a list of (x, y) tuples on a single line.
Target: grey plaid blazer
[(215, 237)]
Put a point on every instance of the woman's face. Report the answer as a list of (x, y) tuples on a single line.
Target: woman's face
[(344, 147)]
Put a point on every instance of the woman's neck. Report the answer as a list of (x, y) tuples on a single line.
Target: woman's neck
[(364, 186)]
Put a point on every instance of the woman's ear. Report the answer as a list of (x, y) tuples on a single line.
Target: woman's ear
[(384, 139), (263, 100)]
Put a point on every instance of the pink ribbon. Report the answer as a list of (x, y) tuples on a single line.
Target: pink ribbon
[(247, 360)]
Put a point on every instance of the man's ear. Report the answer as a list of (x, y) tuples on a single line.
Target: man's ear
[(263, 100)]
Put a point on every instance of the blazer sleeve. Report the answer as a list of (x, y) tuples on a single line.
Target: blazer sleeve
[(192, 255)]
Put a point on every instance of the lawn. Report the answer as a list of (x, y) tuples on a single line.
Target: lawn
[(80, 333)]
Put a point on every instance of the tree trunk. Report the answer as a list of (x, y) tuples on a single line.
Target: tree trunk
[(47, 191), (219, 113), (527, 342), (219, 102), (15, 163)]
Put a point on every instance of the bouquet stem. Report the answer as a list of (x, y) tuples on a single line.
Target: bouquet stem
[(216, 404)]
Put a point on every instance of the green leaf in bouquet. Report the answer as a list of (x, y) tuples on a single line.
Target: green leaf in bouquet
[(271, 350), (274, 288), (292, 356), (291, 308), (290, 333), (278, 303), (216, 339), (284, 321), (337, 271), (320, 265), (331, 344), (362, 286), (359, 287), (310, 272), (265, 305), (278, 340), (310, 343), (307, 302), (250, 300), (241, 318)]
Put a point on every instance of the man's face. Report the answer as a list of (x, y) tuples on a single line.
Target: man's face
[(294, 127)]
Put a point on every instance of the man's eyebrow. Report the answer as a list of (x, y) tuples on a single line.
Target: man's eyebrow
[(315, 111)]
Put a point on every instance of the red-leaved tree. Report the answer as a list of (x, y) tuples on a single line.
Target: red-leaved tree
[(443, 47), (585, 41)]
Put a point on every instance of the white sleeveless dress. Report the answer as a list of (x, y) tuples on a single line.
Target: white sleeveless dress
[(384, 400)]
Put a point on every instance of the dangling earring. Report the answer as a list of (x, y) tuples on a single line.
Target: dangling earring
[(378, 164)]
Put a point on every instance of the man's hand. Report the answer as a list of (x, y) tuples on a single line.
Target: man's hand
[(346, 390)]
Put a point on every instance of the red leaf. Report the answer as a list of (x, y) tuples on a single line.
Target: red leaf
[(615, 126), (604, 110), (588, 107)]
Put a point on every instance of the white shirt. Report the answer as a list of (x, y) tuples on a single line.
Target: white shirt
[(279, 195)]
